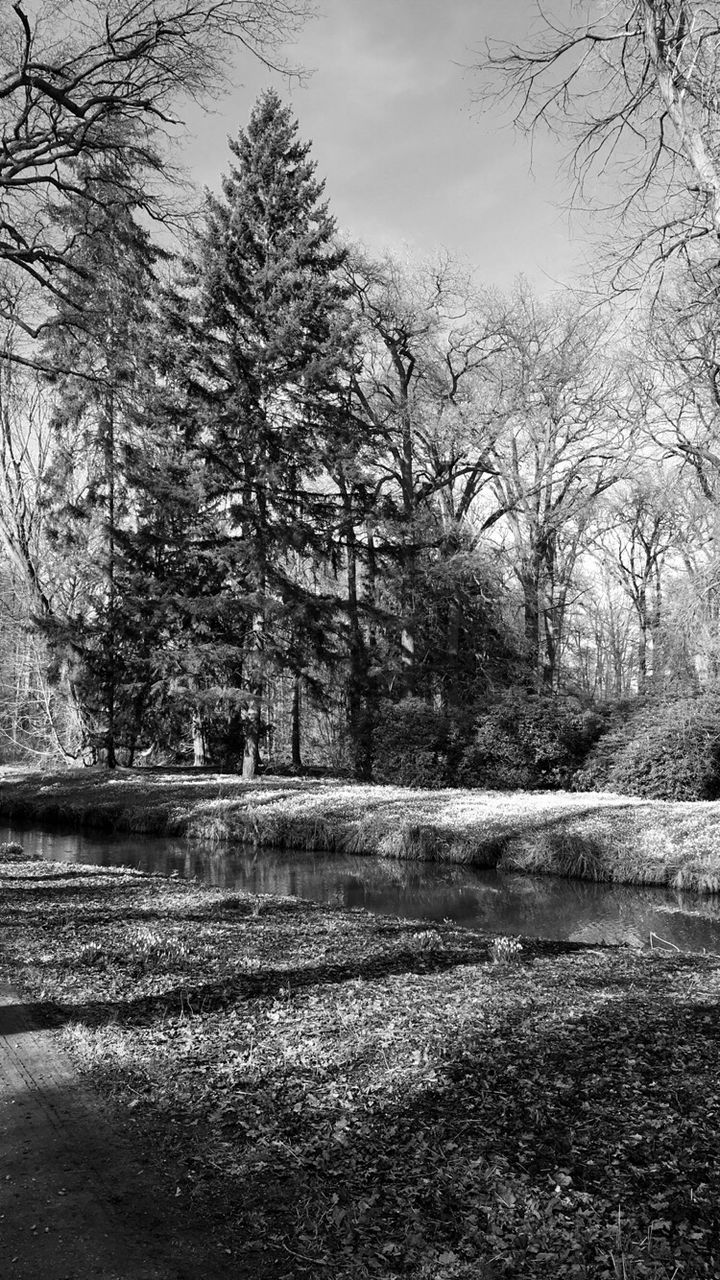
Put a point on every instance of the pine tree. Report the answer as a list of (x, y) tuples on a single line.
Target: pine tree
[(175, 565), (269, 310), (95, 344)]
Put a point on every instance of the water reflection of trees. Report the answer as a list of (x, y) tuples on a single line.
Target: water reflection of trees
[(543, 906)]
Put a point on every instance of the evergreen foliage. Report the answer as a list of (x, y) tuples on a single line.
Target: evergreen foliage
[(530, 742), (264, 307), (99, 327), (659, 750), (465, 647), (414, 745)]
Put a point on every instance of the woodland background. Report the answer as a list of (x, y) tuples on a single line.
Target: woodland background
[(269, 501)]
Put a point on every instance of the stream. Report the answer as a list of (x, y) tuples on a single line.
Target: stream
[(538, 906)]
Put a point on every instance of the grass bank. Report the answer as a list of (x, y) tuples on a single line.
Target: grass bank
[(593, 836), (332, 1094)]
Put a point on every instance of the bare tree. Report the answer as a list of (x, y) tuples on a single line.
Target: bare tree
[(39, 714), (102, 79), (633, 83), (24, 450), (559, 444), (598, 656), (646, 523), (677, 377), (37, 718), (427, 333)]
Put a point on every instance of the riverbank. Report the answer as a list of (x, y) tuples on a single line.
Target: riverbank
[(593, 836), (329, 1093)]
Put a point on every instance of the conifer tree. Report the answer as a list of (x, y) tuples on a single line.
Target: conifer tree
[(176, 560), (268, 306), (96, 339)]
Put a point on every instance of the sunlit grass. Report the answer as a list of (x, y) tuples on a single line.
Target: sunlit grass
[(586, 835)]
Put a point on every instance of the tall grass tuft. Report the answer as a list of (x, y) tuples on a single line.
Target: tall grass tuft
[(579, 857), (697, 876), (570, 854)]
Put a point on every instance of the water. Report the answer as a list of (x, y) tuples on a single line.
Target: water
[(539, 906)]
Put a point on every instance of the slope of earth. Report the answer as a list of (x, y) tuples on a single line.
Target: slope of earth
[(600, 837)]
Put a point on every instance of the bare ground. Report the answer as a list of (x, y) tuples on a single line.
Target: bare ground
[(75, 1203)]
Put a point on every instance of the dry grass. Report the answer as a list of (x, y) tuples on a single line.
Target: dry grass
[(593, 836)]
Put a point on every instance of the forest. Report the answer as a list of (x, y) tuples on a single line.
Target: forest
[(270, 501)]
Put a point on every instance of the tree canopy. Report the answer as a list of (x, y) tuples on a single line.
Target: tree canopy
[(632, 85), (102, 79)]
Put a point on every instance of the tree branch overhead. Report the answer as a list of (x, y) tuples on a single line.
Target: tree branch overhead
[(102, 79), (632, 85)]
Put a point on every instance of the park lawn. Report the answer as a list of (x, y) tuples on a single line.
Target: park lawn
[(337, 1094), (591, 835)]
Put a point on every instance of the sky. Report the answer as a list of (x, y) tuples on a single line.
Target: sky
[(409, 161)]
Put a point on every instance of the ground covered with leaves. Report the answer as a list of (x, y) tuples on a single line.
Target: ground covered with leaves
[(337, 1094)]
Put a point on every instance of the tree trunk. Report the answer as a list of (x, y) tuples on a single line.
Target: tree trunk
[(255, 495), (657, 674), (355, 647), (199, 740), (109, 637), (251, 752), (295, 725), (531, 621), (538, 619), (369, 706), (407, 657), (642, 660), (452, 690), (255, 677), (409, 549)]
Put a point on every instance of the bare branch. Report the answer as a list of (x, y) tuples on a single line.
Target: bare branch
[(633, 88), (103, 79)]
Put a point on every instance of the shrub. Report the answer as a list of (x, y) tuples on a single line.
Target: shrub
[(414, 745), (661, 751), (14, 852), (530, 742)]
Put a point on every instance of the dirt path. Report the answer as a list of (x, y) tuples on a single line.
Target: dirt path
[(74, 1202)]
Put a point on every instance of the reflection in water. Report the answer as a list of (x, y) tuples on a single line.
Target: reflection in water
[(539, 906)]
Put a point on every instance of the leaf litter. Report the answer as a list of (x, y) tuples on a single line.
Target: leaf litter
[(333, 1093)]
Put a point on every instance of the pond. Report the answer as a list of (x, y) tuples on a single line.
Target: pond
[(538, 906)]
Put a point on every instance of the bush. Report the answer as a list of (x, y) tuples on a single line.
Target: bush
[(14, 852), (414, 745), (661, 751), (530, 742)]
